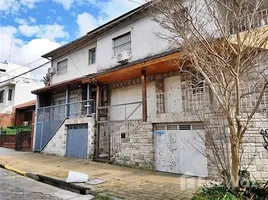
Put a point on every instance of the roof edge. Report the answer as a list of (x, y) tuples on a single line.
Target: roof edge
[(96, 30)]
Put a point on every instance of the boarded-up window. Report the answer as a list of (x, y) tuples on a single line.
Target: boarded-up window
[(62, 67), (122, 43)]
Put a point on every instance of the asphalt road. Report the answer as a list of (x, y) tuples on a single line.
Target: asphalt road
[(17, 187)]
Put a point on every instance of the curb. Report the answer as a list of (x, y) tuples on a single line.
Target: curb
[(17, 171), (52, 181)]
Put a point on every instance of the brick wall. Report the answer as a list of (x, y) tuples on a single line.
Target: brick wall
[(6, 119)]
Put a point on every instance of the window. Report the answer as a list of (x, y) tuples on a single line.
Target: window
[(10, 94), (62, 67), (2, 96), (121, 43), (92, 56)]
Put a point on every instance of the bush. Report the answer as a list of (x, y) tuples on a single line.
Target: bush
[(251, 191)]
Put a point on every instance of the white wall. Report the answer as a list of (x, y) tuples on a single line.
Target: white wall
[(21, 93), (129, 94), (77, 65), (144, 42)]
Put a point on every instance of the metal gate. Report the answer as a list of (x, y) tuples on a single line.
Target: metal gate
[(23, 141), (77, 141), (180, 149)]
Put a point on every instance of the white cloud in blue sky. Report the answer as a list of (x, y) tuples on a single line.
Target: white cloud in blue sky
[(30, 28)]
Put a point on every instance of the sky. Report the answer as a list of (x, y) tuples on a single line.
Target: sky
[(31, 28)]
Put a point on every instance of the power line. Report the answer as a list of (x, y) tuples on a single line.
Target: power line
[(25, 72)]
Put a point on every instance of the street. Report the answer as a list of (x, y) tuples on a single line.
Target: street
[(17, 187)]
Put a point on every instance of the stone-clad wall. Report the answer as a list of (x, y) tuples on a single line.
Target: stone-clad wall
[(138, 148), (255, 157), (57, 145)]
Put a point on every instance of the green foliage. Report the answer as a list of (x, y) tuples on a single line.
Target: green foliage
[(46, 79), (215, 192), (99, 197), (252, 191), (13, 130)]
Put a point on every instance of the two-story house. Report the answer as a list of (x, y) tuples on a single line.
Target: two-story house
[(117, 95), (15, 91)]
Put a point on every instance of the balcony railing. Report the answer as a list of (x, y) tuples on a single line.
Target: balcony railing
[(251, 21), (50, 119), (69, 110), (179, 101), (193, 101)]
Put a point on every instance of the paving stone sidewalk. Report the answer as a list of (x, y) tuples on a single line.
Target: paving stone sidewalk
[(122, 182)]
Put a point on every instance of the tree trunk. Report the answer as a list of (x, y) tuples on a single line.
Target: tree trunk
[(235, 164)]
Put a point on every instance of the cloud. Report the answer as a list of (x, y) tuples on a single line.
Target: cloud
[(107, 11), (19, 52), (20, 21), (86, 22), (13, 6), (32, 20), (65, 3), (49, 31), (114, 8)]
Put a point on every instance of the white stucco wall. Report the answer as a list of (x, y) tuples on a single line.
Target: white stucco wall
[(144, 42), (21, 93), (129, 94), (77, 65)]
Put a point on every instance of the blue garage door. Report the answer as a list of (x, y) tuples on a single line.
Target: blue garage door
[(77, 141)]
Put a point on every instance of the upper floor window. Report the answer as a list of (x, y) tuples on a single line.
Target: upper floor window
[(92, 56), (2, 92), (122, 43), (9, 94), (62, 67)]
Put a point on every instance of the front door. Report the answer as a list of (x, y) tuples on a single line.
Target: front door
[(77, 141)]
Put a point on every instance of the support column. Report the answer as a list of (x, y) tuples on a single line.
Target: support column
[(67, 102), (89, 97), (144, 95), (37, 106), (97, 136)]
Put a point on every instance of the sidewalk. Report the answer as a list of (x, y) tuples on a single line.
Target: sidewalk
[(122, 182)]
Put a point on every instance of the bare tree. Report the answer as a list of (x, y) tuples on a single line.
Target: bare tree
[(226, 42)]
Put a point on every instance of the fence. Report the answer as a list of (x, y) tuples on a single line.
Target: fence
[(49, 119)]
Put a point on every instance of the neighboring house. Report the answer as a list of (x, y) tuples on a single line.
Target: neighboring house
[(116, 95), (21, 137), (24, 118), (17, 90)]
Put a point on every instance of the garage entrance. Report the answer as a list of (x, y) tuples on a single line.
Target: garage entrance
[(179, 147), (77, 141)]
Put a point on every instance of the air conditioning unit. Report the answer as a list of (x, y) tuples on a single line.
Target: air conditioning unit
[(51, 70), (25, 123), (123, 56)]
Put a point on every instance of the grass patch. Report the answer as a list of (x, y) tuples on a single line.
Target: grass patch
[(99, 197)]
